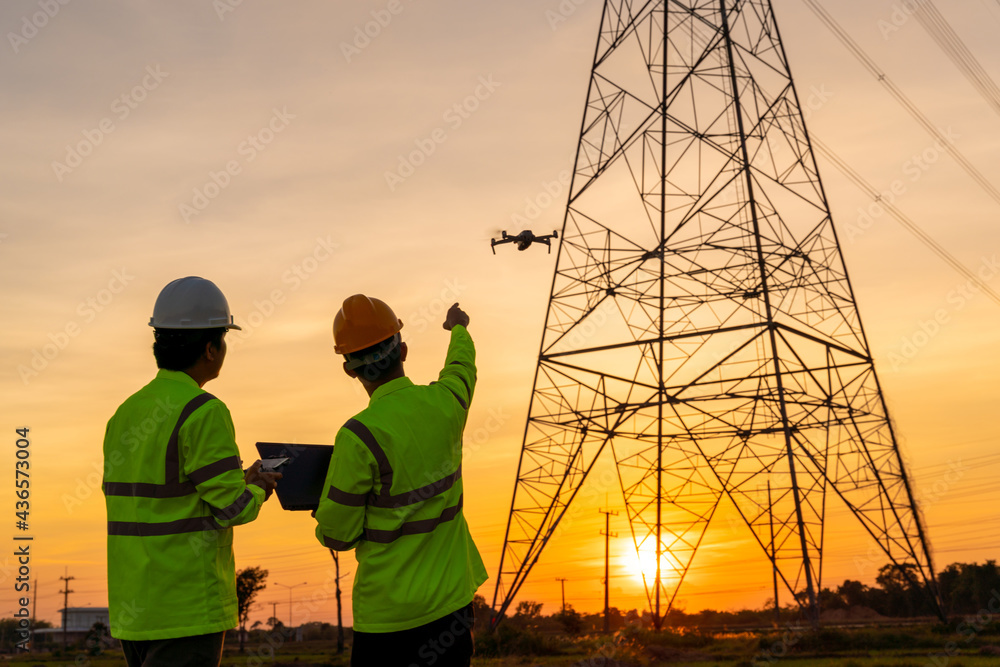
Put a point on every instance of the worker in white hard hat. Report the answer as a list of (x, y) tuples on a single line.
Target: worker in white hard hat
[(174, 487)]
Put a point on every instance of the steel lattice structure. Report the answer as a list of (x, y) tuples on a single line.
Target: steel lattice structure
[(701, 323)]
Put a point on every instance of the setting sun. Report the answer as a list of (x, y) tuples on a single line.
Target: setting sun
[(643, 565)]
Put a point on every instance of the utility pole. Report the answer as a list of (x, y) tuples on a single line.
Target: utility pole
[(607, 547), (291, 623), (774, 558), (34, 617), (340, 624), (563, 581), (274, 612), (65, 591)]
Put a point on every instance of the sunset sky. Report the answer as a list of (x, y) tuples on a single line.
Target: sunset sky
[(262, 145)]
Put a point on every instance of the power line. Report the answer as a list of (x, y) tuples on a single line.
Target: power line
[(900, 97), (955, 48), (905, 221)]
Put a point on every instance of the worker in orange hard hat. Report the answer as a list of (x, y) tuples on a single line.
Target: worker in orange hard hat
[(367, 331), (394, 493)]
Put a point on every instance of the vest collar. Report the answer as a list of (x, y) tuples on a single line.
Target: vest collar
[(176, 376), (391, 386)]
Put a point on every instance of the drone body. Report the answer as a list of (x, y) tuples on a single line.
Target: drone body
[(524, 240)]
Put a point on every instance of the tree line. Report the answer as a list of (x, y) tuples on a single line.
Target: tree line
[(966, 589)]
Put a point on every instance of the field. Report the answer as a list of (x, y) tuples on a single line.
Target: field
[(954, 645)]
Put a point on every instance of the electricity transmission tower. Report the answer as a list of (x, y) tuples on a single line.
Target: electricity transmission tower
[(701, 324)]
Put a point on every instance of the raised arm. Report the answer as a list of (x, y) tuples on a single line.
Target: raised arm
[(459, 372)]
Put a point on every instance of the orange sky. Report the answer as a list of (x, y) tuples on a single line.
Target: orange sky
[(252, 147)]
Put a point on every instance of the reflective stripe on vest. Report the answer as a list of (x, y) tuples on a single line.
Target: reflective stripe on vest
[(139, 529), (384, 499), (174, 488), (414, 527)]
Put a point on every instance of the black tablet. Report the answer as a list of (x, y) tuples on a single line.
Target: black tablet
[(303, 473)]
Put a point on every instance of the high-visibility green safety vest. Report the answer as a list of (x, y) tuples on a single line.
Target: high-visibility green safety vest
[(173, 485), (394, 491)]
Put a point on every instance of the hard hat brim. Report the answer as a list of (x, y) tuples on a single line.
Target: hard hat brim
[(231, 325), (349, 349)]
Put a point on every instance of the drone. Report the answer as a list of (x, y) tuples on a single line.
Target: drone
[(523, 240)]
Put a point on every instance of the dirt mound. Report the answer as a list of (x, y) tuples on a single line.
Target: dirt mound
[(850, 614)]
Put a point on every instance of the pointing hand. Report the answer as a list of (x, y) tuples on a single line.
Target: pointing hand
[(455, 316)]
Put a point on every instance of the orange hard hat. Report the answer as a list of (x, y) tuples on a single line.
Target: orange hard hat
[(362, 322)]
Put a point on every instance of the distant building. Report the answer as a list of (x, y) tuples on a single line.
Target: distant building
[(78, 622)]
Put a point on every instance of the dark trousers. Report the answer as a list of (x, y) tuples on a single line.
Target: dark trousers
[(446, 642), (199, 651)]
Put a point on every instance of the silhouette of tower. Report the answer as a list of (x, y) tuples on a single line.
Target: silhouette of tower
[(701, 324)]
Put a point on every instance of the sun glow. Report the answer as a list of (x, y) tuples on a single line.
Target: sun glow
[(643, 565)]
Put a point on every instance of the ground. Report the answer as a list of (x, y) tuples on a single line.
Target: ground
[(956, 645)]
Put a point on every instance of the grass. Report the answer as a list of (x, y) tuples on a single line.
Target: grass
[(913, 646)]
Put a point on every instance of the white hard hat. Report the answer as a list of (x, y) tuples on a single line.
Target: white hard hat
[(191, 303)]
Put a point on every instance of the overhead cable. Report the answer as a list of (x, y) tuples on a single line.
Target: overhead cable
[(869, 64)]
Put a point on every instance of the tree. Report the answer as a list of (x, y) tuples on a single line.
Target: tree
[(482, 612), (570, 619), (527, 614), (854, 593), (528, 609), (829, 600), (249, 582), (97, 638), (904, 595)]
